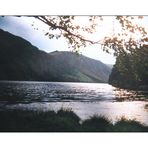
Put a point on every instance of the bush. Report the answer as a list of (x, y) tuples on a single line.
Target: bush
[(124, 125), (96, 123), (62, 121)]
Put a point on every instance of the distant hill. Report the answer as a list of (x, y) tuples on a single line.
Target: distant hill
[(79, 68), (20, 60)]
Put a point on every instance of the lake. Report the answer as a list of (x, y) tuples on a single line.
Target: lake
[(85, 99)]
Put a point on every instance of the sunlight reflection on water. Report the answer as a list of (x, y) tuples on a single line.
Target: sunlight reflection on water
[(85, 99)]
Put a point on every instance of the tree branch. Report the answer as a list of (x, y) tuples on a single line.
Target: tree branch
[(46, 21)]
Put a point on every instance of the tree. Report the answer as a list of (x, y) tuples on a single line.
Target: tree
[(131, 69), (120, 41)]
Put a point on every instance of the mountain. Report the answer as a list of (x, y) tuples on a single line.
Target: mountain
[(79, 68), (20, 60)]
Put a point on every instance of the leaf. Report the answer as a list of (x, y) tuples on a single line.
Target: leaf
[(46, 33)]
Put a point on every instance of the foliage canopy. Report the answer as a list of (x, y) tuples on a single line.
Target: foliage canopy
[(121, 40)]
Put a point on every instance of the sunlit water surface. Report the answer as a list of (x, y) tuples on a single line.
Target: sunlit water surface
[(85, 99)]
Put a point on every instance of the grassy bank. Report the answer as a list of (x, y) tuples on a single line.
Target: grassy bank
[(62, 121)]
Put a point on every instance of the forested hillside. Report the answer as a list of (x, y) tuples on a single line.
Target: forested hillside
[(131, 70)]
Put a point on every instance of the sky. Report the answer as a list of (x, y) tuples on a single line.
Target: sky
[(22, 26)]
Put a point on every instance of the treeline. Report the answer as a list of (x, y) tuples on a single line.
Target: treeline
[(131, 70)]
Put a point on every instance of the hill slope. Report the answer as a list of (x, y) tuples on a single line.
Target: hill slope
[(20, 60), (80, 68)]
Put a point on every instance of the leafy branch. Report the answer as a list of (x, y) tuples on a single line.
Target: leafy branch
[(120, 41)]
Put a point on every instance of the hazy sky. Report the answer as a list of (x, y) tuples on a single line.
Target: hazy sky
[(22, 26)]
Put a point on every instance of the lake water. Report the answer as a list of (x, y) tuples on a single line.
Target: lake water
[(85, 99)]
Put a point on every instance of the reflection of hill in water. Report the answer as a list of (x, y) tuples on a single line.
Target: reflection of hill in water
[(129, 95)]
